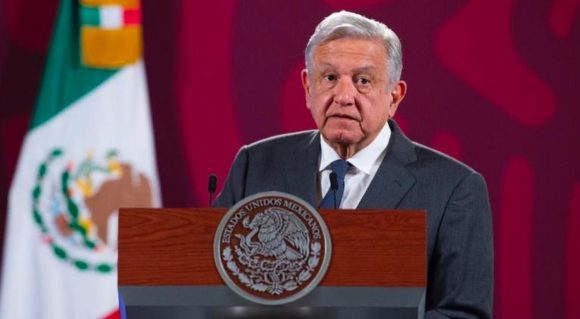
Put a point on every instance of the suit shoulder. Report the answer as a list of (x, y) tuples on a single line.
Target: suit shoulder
[(284, 141), (425, 160), (433, 158)]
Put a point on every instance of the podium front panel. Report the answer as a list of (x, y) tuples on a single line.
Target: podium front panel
[(166, 267)]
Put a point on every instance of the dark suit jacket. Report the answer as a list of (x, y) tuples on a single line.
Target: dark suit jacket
[(459, 245)]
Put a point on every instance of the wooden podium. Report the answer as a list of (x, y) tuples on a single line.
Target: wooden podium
[(167, 270)]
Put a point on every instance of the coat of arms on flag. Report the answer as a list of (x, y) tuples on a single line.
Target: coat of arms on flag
[(75, 206)]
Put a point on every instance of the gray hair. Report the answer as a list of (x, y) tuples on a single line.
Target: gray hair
[(346, 24)]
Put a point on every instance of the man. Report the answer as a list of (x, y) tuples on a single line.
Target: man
[(353, 89)]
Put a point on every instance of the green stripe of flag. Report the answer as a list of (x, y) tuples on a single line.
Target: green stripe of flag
[(65, 80), (90, 16)]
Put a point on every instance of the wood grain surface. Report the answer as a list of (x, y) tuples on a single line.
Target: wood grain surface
[(175, 247)]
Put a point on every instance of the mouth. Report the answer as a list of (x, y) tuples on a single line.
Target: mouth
[(343, 117)]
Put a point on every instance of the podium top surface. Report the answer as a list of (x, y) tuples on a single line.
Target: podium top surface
[(174, 247)]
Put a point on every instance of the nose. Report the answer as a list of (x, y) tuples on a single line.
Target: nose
[(344, 92)]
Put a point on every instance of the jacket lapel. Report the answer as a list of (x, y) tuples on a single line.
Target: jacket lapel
[(393, 179), (302, 169)]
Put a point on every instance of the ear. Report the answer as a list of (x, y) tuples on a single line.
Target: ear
[(398, 92), (306, 86)]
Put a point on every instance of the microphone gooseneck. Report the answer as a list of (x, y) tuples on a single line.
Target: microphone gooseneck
[(211, 187)]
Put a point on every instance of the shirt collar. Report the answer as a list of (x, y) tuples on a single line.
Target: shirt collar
[(363, 159)]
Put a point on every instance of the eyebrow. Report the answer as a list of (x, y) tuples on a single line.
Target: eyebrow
[(362, 69), (326, 65), (365, 69)]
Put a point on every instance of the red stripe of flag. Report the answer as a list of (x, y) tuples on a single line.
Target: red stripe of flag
[(115, 314), (132, 16)]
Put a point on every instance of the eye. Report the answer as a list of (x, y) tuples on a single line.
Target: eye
[(330, 77), (362, 81)]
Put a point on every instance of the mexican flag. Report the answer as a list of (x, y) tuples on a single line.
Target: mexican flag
[(88, 152)]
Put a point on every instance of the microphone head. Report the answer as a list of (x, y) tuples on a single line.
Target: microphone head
[(333, 181), (212, 184)]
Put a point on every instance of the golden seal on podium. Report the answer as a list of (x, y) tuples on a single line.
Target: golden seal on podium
[(272, 248)]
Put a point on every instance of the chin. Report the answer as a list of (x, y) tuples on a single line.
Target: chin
[(343, 137)]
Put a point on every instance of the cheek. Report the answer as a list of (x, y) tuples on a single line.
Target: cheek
[(317, 103), (318, 115), (314, 108), (375, 112)]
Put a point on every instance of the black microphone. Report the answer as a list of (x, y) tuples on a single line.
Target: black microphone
[(211, 186), (334, 186)]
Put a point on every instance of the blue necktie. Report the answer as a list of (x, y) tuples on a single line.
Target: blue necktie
[(333, 197)]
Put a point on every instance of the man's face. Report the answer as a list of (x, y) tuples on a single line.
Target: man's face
[(349, 94)]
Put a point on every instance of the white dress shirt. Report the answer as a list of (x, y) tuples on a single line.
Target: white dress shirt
[(365, 164)]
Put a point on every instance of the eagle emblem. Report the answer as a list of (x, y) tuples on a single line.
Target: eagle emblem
[(279, 234), (272, 248), (75, 202)]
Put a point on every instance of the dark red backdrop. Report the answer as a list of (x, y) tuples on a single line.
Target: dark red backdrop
[(494, 83)]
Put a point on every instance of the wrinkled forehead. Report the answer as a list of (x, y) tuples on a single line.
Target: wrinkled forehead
[(361, 54)]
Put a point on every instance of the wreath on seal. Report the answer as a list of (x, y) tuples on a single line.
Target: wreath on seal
[(277, 282), (72, 211)]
